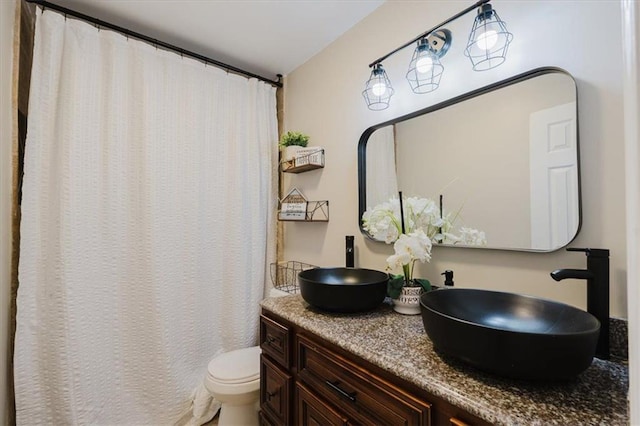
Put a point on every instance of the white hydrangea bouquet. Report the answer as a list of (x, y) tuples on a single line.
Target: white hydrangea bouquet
[(413, 225)]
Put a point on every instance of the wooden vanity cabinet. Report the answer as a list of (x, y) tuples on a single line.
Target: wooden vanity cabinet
[(306, 380), (276, 378)]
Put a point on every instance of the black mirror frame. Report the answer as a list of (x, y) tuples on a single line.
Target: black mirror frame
[(362, 146)]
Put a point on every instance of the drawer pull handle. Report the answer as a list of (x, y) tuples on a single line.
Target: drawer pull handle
[(271, 339), (336, 387), (272, 394), (457, 422)]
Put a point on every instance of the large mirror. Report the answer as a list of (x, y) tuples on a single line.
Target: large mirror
[(502, 160)]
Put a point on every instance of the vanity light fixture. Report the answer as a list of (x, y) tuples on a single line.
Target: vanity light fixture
[(487, 48), (378, 90), (488, 41), (425, 69)]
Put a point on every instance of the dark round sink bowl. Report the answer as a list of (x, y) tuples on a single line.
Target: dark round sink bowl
[(510, 335), (343, 289)]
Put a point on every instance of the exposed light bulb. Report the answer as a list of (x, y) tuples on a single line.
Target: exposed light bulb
[(487, 39), (379, 89), (424, 64)]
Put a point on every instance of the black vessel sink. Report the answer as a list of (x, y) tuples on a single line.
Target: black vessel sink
[(510, 335), (343, 289)]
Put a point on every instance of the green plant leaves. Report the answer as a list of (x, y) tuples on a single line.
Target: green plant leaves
[(294, 138), (394, 286), (425, 284)]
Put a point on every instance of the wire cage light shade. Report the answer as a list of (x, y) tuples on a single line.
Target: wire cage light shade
[(486, 48), (488, 41), (425, 69), (378, 90)]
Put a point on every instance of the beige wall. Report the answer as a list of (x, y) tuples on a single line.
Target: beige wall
[(323, 98), (7, 8)]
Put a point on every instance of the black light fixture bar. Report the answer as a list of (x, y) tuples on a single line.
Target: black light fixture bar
[(426, 33), (153, 41)]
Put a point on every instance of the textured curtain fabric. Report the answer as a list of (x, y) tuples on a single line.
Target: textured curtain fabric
[(382, 181), (147, 226)]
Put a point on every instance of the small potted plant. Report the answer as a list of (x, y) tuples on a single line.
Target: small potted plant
[(290, 142)]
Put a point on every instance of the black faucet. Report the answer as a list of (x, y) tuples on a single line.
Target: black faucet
[(349, 251), (597, 276)]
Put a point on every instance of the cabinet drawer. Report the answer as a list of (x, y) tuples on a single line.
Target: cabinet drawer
[(364, 397), (275, 341), (313, 411), (275, 391)]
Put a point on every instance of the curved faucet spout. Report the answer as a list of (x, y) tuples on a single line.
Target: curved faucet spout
[(561, 274)]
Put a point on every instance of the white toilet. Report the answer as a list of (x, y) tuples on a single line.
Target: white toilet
[(233, 379)]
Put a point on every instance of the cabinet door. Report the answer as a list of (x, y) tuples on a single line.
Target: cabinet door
[(275, 391), (314, 412)]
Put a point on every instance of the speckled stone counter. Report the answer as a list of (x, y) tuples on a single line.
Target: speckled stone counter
[(399, 344)]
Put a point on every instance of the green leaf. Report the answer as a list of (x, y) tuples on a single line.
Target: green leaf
[(426, 285), (294, 138), (394, 286)]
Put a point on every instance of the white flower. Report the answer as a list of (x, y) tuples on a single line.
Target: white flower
[(423, 223), (472, 237), (395, 263), (409, 248), (383, 222), (416, 244)]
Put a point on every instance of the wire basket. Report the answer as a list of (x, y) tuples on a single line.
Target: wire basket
[(284, 275)]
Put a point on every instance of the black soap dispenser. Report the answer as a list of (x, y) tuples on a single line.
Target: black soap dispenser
[(448, 278)]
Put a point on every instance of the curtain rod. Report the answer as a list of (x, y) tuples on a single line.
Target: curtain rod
[(155, 42)]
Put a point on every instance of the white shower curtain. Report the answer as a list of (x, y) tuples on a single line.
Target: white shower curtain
[(147, 226)]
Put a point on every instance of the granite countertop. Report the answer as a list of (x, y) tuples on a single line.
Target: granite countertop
[(399, 344)]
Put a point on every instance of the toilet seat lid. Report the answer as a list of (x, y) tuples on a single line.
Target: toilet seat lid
[(239, 366)]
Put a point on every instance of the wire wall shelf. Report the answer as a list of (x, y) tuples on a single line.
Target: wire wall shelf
[(284, 275), (316, 211)]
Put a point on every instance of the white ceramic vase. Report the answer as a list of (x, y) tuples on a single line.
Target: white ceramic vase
[(408, 303)]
